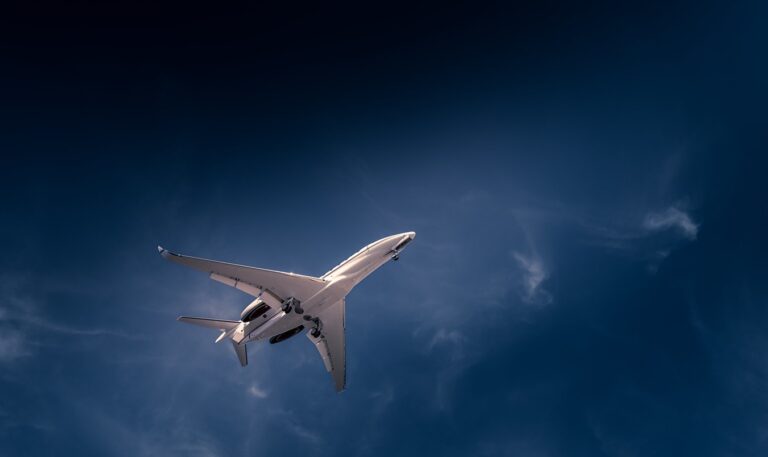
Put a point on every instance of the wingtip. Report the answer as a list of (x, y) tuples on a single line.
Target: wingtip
[(163, 252)]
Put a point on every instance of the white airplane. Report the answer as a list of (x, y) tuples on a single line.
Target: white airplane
[(287, 303)]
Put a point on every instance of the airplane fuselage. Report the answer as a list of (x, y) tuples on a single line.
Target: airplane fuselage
[(339, 281)]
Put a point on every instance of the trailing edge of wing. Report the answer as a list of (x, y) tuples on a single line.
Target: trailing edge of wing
[(282, 284)]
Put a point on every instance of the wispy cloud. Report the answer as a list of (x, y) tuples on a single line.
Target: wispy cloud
[(294, 424), (304, 433), (534, 275), (12, 345), (651, 237), (381, 399), (449, 349), (112, 432), (452, 338), (22, 311), (671, 218), (442, 335), (257, 392), (75, 331)]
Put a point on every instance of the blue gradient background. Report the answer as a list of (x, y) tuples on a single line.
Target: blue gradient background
[(587, 185)]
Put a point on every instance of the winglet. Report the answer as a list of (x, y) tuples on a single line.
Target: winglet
[(164, 252)]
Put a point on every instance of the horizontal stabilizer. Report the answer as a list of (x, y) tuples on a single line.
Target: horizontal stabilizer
[(219, 324)]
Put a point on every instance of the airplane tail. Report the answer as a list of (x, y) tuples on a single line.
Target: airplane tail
[(226, 327)]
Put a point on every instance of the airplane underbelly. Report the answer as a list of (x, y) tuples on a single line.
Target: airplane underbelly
[(280, 325)]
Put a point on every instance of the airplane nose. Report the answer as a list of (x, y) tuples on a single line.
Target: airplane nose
[(404, 238), (400, 236)]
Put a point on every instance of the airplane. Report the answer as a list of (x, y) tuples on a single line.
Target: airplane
[(286, 304)]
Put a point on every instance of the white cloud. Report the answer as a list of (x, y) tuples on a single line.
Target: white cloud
[(257, 392), (446, 336), (381, 399), (304, 433), (651, 238), (453, 339), (671, 218), (534, 274)]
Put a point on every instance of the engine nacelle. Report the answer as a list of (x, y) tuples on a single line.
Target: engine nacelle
[(261, 305), (285, 335)]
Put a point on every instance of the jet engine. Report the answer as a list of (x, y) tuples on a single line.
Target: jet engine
[(285, 335)]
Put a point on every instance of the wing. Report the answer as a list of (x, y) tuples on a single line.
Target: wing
[(330, 344), (242, 353), (219, 324), (252, 280)]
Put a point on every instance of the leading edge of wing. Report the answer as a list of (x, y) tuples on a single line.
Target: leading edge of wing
[(282, 283), (176, 257)]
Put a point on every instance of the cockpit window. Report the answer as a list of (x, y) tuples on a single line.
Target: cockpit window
[(402, 244)]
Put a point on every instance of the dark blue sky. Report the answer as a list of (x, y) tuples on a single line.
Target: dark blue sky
[(587, 185)]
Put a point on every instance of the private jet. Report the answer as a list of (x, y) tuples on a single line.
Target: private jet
[(286, 304)]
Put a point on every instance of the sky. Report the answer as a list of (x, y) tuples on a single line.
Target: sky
[(586, 183)]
